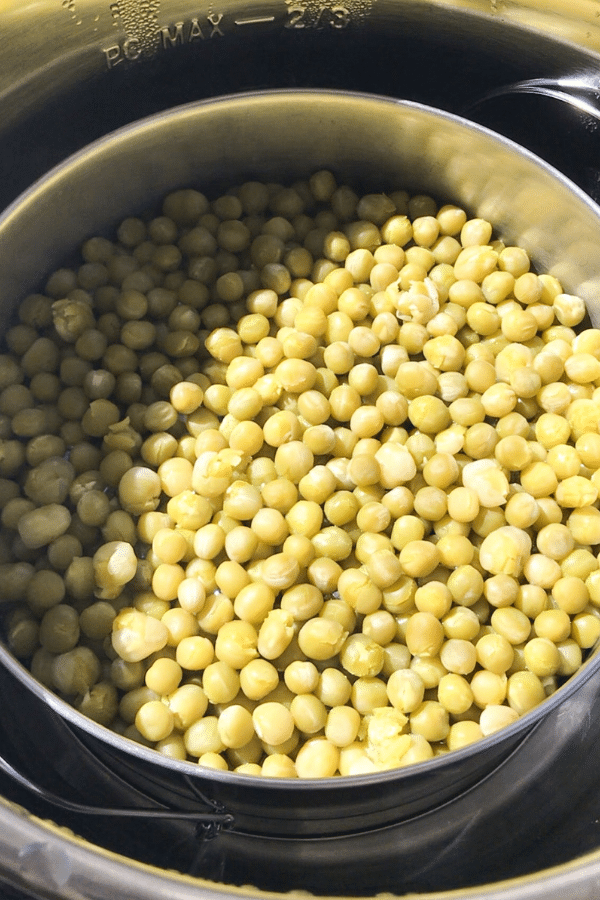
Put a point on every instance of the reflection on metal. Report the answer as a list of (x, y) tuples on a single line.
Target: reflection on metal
[(140, 22), (581, 92)]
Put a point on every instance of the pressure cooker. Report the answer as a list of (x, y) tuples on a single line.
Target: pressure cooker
[(72, 72)]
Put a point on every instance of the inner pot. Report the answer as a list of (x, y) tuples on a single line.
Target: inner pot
[(373, 143)]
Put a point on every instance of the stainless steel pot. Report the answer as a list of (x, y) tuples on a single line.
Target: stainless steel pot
[(350, 825), (71, 70)]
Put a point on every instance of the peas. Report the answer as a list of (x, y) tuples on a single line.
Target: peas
[(44, 524), (316, 469)]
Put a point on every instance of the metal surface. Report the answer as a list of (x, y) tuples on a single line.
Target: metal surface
[(56, 865), (484, 835), (395, 829), (71, 70), (367, 142), (580, 92)]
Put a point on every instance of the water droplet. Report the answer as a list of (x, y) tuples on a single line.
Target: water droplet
[(139, 18), (69, 6)]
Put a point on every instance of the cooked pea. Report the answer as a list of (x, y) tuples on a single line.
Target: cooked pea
[(59, 628), (405, 690), (221, 682), (96, 620), (455, 693), (137, 635), (42, 525), (301, 676), (139, 490), (321, 639), (100, 703), (458, 654), (154, 720), (188, 703), (461, 734), (22, 633), (273, 723), (235, 726), (430, 720), (494, 652), (275, 634), (163, 676), (424, 634), (524, 691), (75, 671), (93, 508), (115, 564), (488, 688)]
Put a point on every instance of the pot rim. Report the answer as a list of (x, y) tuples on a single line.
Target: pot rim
[(518, 729), (125, 133)]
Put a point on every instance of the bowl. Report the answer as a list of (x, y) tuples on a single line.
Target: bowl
[(374, 143)]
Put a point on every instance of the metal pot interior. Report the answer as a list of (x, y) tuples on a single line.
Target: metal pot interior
[(532, 204), (72, 72)]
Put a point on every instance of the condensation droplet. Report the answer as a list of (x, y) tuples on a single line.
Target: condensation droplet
[(69, 6), (139, 18)]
